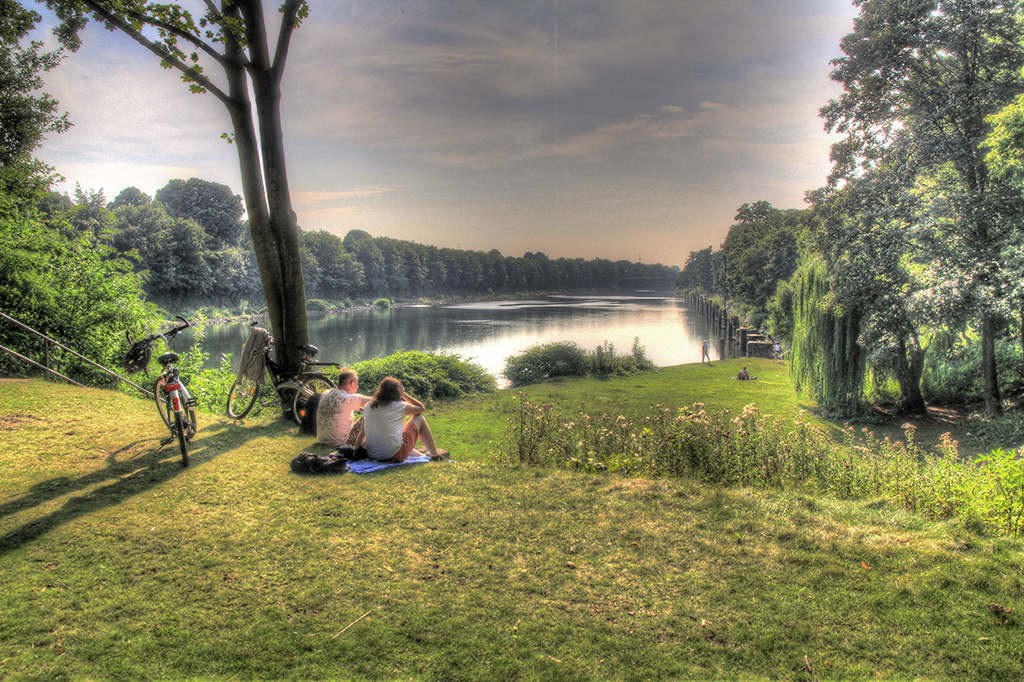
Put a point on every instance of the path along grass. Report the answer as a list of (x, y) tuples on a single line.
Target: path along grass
[(116, 563)]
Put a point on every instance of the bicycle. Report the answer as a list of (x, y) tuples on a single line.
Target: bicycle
[(176, 407), (293, 387)]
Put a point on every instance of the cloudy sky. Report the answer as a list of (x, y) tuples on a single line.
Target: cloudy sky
[(619, 129)]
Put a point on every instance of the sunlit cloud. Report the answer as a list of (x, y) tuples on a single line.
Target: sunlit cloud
[(312, 198)]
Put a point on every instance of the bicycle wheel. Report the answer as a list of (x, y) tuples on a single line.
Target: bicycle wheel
[(309, 386), (286, 392), (163, 403), (242, 397), (179, 431)]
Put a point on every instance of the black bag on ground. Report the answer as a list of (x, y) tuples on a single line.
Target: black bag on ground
[(308, 463), (351, 453)]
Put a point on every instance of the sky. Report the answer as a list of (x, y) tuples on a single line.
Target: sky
[(618, 129)]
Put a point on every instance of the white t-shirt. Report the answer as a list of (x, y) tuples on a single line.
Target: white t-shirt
[(383, 426), (334, 415)]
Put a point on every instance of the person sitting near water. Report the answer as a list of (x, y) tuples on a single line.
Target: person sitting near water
[(389, 438), (334, 424)]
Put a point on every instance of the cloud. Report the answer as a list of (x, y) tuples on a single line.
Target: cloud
[(312, 198), (538, 119)]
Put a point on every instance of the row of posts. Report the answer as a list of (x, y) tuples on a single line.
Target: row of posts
[(725, 330)]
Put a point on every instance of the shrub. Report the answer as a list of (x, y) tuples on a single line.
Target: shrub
[(317, 305), (542, 361), (604, 360), (382, 303), (566, 358), (427, 375)]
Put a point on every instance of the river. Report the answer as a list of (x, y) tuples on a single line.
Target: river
[(488, 333)]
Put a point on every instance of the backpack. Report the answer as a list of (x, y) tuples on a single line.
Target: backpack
[(308, 463), (351, 453), (307, 422)]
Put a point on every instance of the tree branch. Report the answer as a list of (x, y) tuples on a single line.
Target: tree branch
[(289, 12), (159, 51)]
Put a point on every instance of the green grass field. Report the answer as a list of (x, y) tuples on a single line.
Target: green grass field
[(118, 564)]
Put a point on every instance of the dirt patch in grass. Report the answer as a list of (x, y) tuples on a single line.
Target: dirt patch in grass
[(9, 422)]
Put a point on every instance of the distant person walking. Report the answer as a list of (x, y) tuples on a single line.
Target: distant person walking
[(704, 352)]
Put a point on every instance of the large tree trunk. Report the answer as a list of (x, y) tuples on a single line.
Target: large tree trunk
[(993, 403), (909, 368), (272, 221)]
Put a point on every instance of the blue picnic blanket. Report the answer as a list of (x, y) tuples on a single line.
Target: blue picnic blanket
[(368, 466)]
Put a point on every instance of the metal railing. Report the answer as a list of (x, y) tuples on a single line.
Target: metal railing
[(55, 373)]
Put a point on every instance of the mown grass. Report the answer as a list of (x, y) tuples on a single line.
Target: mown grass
[(117, 564)]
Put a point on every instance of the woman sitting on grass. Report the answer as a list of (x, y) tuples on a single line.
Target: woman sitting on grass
[(389, 438)]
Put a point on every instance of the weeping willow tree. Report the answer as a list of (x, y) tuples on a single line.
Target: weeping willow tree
[(826, 363)]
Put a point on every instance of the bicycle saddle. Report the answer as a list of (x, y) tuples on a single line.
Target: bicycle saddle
[(167, 358), (310, 350)]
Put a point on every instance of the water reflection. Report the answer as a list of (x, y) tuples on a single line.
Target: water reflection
[(489, 332)]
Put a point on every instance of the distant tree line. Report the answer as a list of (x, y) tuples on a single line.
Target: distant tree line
[(191, 246)]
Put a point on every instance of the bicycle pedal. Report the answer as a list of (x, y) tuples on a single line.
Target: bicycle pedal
[(191, 402)]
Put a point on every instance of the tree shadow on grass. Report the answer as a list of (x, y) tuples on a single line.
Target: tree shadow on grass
[(134, 468)]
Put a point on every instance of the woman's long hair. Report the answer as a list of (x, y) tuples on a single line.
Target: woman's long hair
[(389, 391)]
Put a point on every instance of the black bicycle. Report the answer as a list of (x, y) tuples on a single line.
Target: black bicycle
[(176, 407), (293, 387)]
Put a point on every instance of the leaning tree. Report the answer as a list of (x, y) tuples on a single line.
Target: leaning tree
[(232, 37)]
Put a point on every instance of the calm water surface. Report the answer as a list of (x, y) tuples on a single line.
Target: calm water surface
[(488, 333)]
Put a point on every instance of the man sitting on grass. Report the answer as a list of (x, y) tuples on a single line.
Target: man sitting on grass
[(334, 425)]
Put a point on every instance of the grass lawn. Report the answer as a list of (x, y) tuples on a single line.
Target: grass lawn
[(118, 564)]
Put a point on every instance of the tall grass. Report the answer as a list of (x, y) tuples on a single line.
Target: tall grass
[(754, 450)]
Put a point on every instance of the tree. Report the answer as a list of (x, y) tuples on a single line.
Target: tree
[(130, 196), (233, 36), (54, 276), (211, 204), (759, 251), (922, 77), (171, 249), (697, 274), (26, 115), (877, 274), (340, 274)]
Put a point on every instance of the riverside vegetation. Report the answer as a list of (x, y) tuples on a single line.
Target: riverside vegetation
[(116, 563)]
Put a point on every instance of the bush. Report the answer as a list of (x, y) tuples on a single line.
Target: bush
[(542, 361), (382, 303), (317, 305), (426, 375), (953, 374), (605, 361), (566, 358)]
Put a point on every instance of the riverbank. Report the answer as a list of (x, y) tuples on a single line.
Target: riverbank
[(236, 567)]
